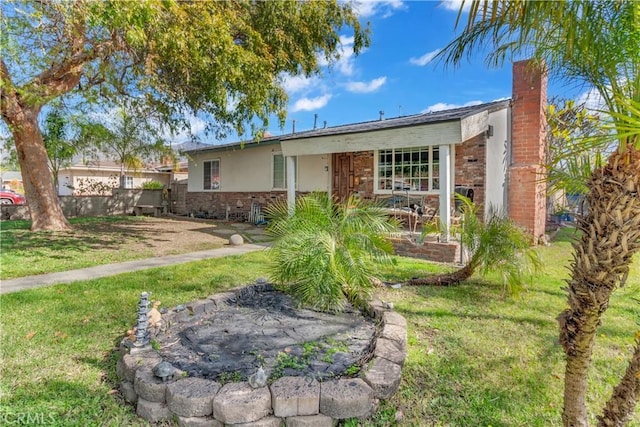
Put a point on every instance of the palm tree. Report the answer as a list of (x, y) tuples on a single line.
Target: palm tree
[(326, 252), (132, 137), (495, 244), (597, 43)]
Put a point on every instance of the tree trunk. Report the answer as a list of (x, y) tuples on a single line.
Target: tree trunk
[(446, 279), (44, 205), (601, 259), (620, 407)]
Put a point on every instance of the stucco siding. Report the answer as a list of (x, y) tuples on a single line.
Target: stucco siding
[(314, 173), (497, 161), (76, 181), (242, 169), (251, 169)]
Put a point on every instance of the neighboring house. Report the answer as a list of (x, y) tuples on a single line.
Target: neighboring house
[(11, 180), (496, 149), (95, 177), (179, 171)]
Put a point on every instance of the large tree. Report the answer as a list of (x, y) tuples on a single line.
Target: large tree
[(222, 58), (597, 43)]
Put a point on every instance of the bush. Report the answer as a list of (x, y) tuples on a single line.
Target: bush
[(152, 185), (325, 253)]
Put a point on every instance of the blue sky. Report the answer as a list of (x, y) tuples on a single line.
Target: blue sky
[(395, 74)]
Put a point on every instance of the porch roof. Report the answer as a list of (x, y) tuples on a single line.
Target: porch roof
[(436, 128)]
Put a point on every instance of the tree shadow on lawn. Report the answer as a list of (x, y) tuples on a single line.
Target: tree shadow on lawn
[(93, 236)]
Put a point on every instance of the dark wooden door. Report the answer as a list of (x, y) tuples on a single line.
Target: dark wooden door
[(342, 175)]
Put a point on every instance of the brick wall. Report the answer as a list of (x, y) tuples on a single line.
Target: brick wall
[(363, 174), (470, 163), (230, 205), (526, 192), (431, 251)]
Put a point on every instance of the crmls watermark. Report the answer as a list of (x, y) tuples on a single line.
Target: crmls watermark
[(26, 418)]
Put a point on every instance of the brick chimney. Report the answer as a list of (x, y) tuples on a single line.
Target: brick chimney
[(527, 190)]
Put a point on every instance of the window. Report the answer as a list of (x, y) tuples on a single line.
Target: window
[(211, 175), (128, 182), (409, 169), (280, 171)]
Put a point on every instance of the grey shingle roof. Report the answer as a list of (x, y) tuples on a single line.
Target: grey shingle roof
[(403, 121), (396, 122)]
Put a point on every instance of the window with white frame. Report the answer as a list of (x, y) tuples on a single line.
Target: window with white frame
[(211, 174), (279, 178), (409, 169), (128, 182)]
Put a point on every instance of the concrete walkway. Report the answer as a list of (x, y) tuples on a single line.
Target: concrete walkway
[(90, 273)]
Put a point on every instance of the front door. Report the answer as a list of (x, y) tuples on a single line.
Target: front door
[(343, 175)]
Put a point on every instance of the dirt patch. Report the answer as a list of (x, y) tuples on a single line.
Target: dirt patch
[(170, 236), (107, 240)]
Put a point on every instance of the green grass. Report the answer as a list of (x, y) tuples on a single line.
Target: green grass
[(92, 241), (476, 357), (479, 358), (24, 253), (58, 342)]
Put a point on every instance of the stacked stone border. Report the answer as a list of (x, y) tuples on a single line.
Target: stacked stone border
[(288, 401)]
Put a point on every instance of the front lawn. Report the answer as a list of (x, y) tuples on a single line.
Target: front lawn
[(98, 240), (476, 357)]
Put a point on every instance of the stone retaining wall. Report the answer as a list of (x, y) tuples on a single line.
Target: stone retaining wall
[(289, 401)]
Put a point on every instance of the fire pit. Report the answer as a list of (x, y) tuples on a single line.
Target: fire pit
[(252, 356)]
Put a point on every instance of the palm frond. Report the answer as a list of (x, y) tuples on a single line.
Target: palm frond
[(497, 245), (325, 252)]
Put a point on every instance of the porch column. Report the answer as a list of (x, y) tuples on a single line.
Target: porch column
[(291, 184), (445, 192)]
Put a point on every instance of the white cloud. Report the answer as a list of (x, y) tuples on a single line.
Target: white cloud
[(454, 5), (591, 99), (197, 127), (294, 84), (424, 59), (441, 106), (385, 8), (310, 104), (364, 87), (344, 64)]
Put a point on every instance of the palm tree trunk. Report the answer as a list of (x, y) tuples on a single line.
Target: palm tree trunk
[(620, 407), (446, 279), (611, 236)]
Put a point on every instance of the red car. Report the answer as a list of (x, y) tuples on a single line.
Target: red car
[(10, 197)]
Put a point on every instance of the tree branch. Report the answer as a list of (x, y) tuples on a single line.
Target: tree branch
[(62, 77), (8, 96)]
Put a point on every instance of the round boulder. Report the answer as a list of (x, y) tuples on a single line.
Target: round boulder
[(236, 240)]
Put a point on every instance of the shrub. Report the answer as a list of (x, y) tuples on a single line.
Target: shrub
[(325, 252), (152, 185)]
